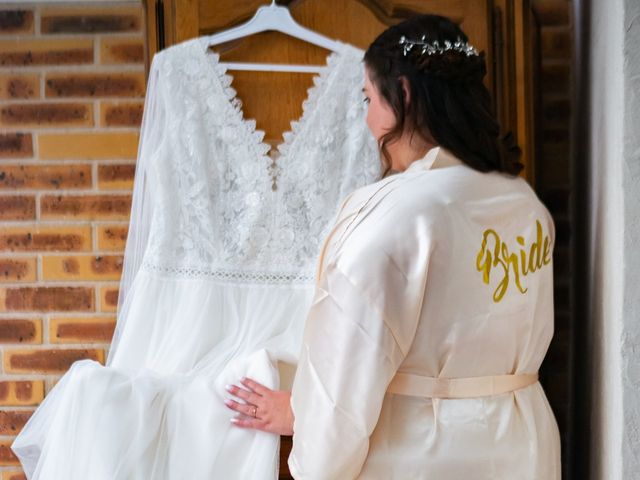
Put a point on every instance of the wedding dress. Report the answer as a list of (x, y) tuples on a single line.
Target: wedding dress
[(218, 277)]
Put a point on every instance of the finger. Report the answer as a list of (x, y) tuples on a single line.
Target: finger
[(255, 386), (240, 408), (246, 395), (248, 422)]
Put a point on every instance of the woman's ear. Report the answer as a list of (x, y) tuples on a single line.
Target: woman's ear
[(406, 91)]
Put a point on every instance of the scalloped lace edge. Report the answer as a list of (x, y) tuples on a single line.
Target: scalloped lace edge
[(314, 93)]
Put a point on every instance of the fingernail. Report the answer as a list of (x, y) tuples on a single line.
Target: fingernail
[(228, 387), (234, 420), (228, 402)]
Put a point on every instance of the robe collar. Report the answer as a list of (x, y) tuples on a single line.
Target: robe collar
[(437, 157)]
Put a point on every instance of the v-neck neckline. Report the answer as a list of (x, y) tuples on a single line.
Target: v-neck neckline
[(310, 105)]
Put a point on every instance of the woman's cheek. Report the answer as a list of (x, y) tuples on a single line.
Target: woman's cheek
[(370, 123), (374, 123)]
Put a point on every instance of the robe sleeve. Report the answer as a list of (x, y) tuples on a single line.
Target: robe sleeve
[(152, 132), (360, 326)]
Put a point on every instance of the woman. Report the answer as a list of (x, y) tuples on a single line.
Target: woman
[(434, 300)]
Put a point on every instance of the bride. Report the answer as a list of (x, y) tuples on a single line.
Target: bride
[(433, 306)]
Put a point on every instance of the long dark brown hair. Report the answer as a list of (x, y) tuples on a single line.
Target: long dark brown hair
[(449, 103)]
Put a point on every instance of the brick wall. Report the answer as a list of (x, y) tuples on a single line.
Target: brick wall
[(71, 95), (554, 187), (72, 85)]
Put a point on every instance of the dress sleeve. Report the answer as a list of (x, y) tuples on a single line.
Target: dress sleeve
[(149, 143), (360, 326)]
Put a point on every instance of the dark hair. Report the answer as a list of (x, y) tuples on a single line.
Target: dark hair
[(450, 104)]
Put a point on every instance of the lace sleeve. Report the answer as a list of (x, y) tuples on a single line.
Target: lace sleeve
[(151, 135)]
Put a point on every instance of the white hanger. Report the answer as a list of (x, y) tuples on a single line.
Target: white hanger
[(273, 17)]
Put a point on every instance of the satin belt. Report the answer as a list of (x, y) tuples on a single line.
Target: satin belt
[(471, 387)]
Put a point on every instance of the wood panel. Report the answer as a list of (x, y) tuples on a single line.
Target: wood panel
[(352, 21), (514, 84), (525, 84)]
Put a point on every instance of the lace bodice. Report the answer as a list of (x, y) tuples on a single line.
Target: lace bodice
[(222, 207)]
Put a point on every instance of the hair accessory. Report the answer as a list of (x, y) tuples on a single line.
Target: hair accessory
[(431, 48)]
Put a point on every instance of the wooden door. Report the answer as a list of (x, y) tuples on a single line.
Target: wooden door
[(499, 27)]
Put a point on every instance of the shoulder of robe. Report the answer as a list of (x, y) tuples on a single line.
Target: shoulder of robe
[(394, 233), (385, 254), (537, 206)]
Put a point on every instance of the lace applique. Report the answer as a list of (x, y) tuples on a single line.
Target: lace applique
[(217, 209)]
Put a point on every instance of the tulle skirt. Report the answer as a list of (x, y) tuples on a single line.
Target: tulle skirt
[(156, 410)]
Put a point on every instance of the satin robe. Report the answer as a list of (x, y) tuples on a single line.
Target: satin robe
[(441, 272)]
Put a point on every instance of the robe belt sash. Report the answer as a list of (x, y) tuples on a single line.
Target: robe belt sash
[(471, 387)]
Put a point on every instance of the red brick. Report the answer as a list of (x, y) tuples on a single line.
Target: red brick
[(86, 19), (12, 421), (88, 145), (108, 299), (16, 21), (90, 207), (39, 51), (14, 86), (47, 360), (81, 330), (18, 269), (45, 177), (127, 84), (16, 145), (112, 237), (82, 267), (46, 115), (121, 114), (26, 392), (13, 475), (43, 299), (121, 50), (16, 330), (17, 207), (35, 238), (7, 458), (116, 176)]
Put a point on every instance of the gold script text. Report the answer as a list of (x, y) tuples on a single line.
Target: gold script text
[(494, 254)]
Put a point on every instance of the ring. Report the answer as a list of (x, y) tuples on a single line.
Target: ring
[(255, 411)]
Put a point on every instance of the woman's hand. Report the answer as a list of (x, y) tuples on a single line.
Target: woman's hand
[(265, 409)]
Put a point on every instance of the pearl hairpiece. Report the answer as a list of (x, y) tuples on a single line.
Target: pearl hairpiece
[(431, 48)]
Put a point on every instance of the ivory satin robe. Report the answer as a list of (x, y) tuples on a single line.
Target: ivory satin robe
[(442, 272)]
